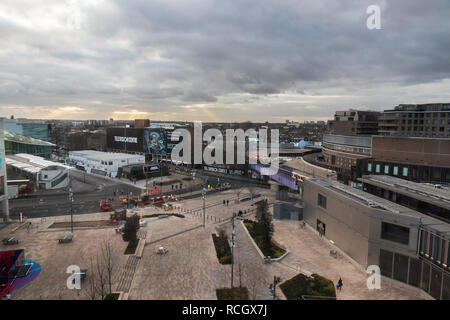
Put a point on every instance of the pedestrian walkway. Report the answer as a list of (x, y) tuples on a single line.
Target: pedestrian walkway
[(127, 276)]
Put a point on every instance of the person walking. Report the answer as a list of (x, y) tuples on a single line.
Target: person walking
[(340, 284)]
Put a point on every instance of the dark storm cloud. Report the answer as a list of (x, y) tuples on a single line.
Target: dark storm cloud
[(158, 56)]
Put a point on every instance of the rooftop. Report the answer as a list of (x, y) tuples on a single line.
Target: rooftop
[(99, 155), (13, 137), (439, 196), (30, 163), (376, 202)]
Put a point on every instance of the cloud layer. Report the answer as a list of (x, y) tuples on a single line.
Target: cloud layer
[(211, 60)]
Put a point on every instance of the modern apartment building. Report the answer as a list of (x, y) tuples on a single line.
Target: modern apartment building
[(354, 123), (431, 120)]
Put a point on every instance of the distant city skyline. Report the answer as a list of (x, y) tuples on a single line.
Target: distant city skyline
[(219, 61)]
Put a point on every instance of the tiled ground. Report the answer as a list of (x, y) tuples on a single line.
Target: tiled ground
[(309, 252), (190, 270), (54, 258)]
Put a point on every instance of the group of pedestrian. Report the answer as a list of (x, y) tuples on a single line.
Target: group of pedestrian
[(225, 202)]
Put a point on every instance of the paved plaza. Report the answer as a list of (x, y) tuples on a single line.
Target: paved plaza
[(190, 269)]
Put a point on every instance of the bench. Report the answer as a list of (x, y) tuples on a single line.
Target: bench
[(10, 241), (81, 274), (65, 239)]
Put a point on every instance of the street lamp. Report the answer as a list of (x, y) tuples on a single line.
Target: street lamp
[(273, 286), (71, 208), (233, 233), (204, 207)]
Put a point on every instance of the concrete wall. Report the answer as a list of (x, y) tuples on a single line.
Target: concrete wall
[(287, 211), (355, 227), (417, 151), (376, 243), (347, 222)]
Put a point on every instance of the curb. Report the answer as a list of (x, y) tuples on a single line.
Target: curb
[(259, 250)]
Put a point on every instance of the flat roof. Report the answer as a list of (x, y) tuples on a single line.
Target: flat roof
[(30, 163), (99, 155), (379, 203), (18, 138), (422, 191)]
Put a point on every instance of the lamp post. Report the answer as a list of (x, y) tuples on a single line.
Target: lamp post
[(233, 232), (71, 208), (204, 206), (273, 287)]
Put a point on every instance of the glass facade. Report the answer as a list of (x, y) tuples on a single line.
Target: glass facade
[(12, 147)]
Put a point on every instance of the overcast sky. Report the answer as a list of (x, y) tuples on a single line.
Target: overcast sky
[(219, 60)]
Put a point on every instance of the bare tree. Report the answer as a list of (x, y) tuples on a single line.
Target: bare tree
[(101, 277), (108, 260), (252, 191), (238, 193), (252, 279), (91, 290)]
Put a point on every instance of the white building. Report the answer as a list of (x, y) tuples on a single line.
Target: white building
[(103, 163), (3, 187), (45, 174)]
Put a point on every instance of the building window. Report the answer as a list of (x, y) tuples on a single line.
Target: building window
[(377, 168), (395, 170), (386, 169), (395, 233), (405, 172), (369, 167), (322, 201)]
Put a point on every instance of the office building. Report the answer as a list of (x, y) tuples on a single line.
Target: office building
[(407, 245)]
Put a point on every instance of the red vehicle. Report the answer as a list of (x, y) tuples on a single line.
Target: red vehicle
[(119, 214), (105, 206), (25, 189)]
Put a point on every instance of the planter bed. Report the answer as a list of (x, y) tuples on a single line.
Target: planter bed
[(223, 249), (302, 287), (237, 293), (274, 251)]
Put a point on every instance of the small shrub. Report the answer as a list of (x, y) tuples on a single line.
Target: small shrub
[(131, 247), (112, 296), (237, 293), (301, 285), (223, 250)]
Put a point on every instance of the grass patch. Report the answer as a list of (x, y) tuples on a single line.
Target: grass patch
[(131, 247), (164, 214), (112, 296), (269, 250), (237, 293), (301, 285), (223, 249)]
